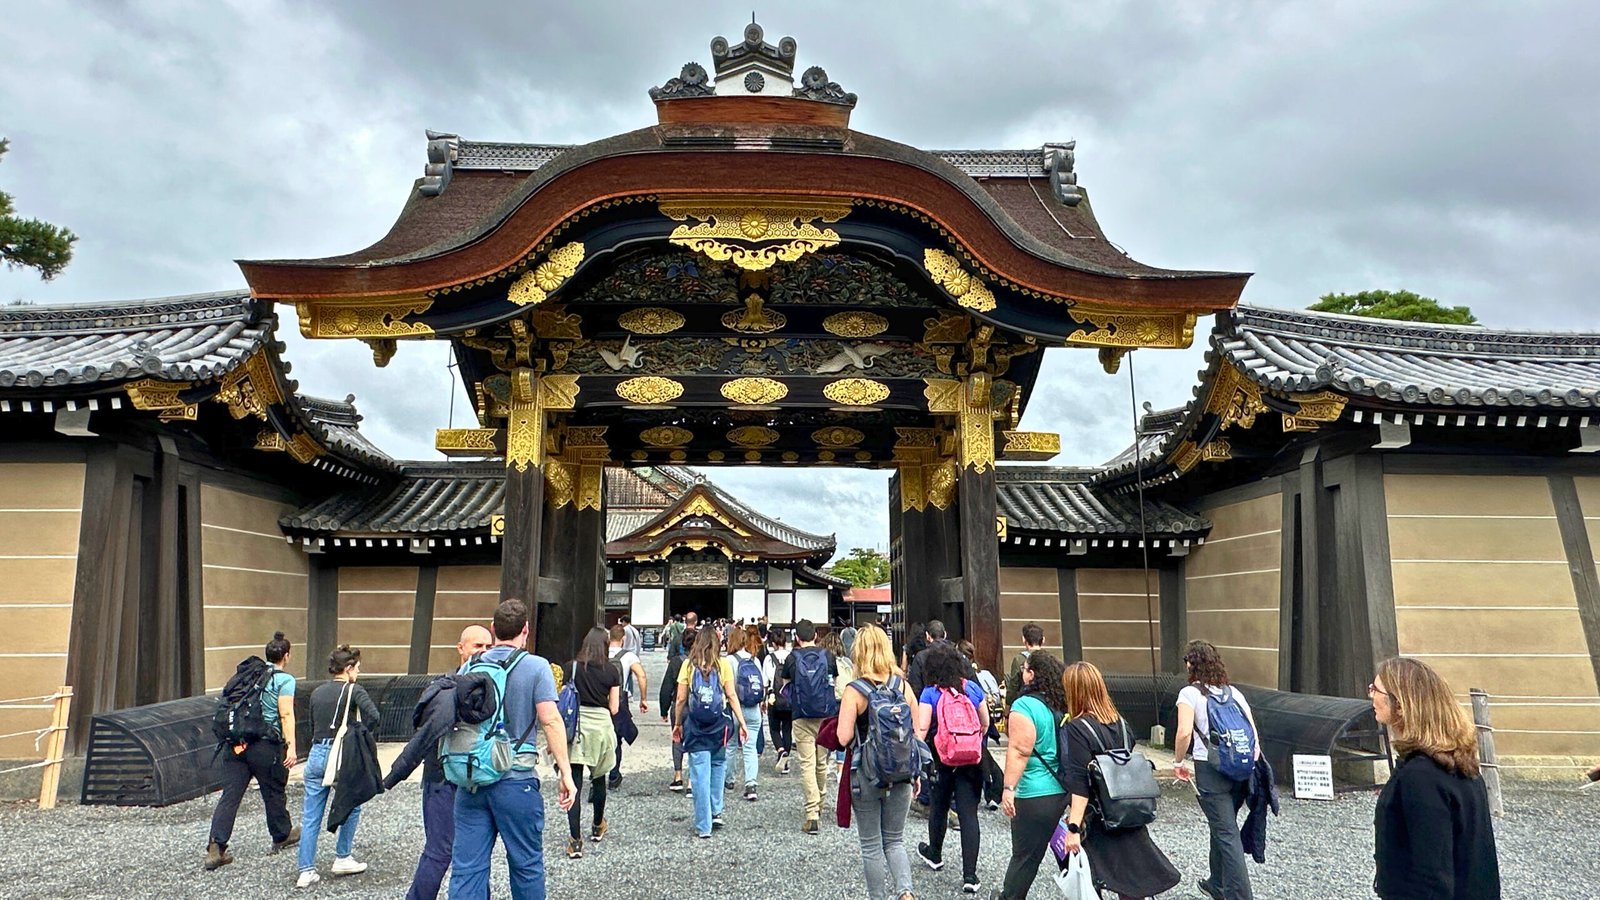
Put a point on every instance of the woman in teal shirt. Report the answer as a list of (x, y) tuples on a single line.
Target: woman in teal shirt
[(1032, 798)]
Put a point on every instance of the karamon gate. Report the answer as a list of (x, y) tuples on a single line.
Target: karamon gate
[(747, 281)]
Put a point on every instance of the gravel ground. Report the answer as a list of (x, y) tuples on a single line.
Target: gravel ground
[(1316, 850)]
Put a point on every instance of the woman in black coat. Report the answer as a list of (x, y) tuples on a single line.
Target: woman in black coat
[(1126, 860), (1433, 834)]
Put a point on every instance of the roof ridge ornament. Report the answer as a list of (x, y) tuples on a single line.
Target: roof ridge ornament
[(753, 67)]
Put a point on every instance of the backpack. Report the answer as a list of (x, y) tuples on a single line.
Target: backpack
[(475, 754), (749, 684), (959, 737), (622, 674), (887, 751), (239, 717), (1125, 788), (1232, 740), (567, 703), (705, 720), (813, 696)]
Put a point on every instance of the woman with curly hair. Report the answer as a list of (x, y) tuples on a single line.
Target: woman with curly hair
[(1032, 797), (1220, 797), (954, 787), (1433, 834)]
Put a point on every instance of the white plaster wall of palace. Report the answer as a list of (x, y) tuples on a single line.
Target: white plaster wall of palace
[(649, 605)]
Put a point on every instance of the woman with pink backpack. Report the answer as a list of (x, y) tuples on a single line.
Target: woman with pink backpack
[(952, 718)]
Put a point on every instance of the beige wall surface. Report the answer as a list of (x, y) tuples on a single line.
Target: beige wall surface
[(1483, 594), (1028, 595), (1232, 587), (1118, 623), (377, 605), (40, 512), (253, 582), (465, 595)]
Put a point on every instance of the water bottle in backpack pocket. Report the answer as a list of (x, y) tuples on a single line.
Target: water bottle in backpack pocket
[(1232, 739), (887, 750), (479, 753)]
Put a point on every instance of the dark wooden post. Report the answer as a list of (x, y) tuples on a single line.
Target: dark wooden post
[(980, 563), (926, 529), (574, 566), (519, 545)]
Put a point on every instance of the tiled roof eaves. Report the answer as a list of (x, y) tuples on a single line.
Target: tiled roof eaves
[(1064, 502)]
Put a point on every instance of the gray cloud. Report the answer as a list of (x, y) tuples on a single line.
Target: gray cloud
[(1443, 147)]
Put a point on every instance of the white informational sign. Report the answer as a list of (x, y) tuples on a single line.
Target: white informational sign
[(1313, 777)]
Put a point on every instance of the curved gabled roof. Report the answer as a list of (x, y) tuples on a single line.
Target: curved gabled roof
[(1064, 500)]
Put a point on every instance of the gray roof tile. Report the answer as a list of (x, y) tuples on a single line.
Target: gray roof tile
[(1063, 500), (197, 337)]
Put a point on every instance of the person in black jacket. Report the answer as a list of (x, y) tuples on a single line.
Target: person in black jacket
[(333, 704), (435, 713), (1433, 836)]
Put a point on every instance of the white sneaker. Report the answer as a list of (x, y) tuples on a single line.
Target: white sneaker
[(347, 865), (307, 879)]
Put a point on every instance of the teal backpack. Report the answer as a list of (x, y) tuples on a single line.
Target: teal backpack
[(476, 754)]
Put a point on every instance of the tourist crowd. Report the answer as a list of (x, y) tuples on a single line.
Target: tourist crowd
[(892, 735)]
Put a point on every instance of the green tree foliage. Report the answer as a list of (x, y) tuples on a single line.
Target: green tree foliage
[(1402, 305), (30, 243), (864, 567)]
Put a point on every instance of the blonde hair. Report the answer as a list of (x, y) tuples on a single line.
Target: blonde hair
[(872, 657), (1426, 717), (1087, 695)]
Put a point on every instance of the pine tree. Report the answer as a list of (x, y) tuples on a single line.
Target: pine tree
[(30, 243), (1404, 306)]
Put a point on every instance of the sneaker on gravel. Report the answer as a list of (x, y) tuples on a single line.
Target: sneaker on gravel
[(970, 887), (290, 841), (574, 848), (992, 805), (307, 879), (810, 827), (750, 792), (347, 865), (688, 790), (599, 830), (676, 786), (1209, 890), (718, 822), (934, 860), (216, 857), (705, 835), (615, 780)]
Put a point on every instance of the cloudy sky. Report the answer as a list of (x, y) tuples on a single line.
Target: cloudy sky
[(1445, 147)]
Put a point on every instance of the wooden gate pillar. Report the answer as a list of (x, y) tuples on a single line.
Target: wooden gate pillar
[(574, 543), (980, 547), (526, 429), (925, 526)]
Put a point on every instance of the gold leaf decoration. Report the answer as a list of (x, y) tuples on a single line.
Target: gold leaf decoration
[(536, 284), (856, 392), (465, 441), (1035, 446), (967, 289), (367, 319), (754, 391), (855, 324), (651, 320), (837, 436), (649, 390), (754, 318), (753, 436), (754, 233), (666, 436)]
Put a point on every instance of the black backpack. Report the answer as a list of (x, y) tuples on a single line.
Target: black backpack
[(1124, 781), (239, 718)]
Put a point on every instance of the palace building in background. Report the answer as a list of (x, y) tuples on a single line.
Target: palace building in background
[(748, 281)]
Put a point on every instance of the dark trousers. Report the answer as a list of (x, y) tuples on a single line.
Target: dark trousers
[(1220, 800), (781, 722), (439, 831), (597, 796), (263, 761), (993, 778), (957, 788), (1031, 830)]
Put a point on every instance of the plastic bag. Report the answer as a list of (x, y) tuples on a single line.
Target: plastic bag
[(1074, 879)]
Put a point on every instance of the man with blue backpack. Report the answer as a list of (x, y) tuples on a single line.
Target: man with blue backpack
[(809, 672), (1217, 730), (492, 764)]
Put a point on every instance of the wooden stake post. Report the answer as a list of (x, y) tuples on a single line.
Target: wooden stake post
[(1487, 757), (55, 749)]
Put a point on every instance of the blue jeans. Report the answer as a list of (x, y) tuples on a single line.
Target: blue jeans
[(752, 759), (439, 827), (316, 804), (513, 810), (707, 769)]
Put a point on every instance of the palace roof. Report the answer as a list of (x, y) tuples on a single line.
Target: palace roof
[(1064, 500), (1274, 362), (189, 338)]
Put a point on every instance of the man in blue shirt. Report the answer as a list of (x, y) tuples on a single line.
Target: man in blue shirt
[(511, 808)]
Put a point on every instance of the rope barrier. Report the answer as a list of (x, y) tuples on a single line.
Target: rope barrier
[(38, 765), (47, 697)]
